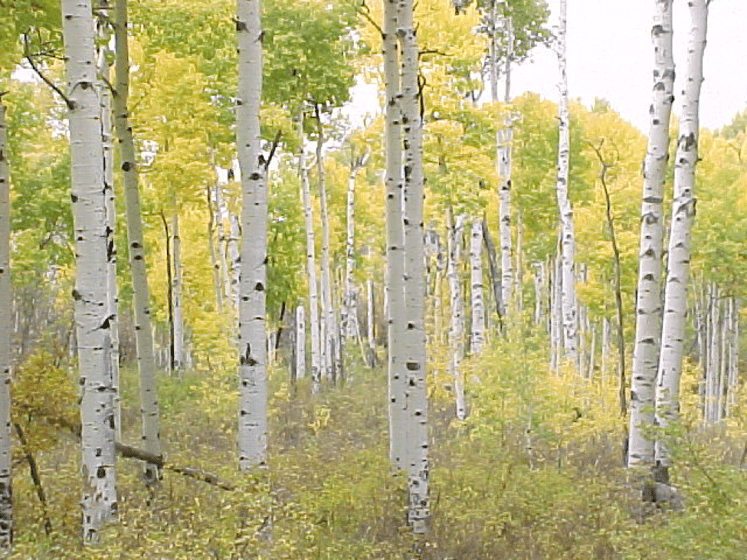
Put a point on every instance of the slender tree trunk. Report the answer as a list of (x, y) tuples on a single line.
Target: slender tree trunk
[(328, 314), (395, 249), (370, 323), (176, 294), (104, 35), (733, 355), (477, 332), (300, 343), (6, 502), (140, 296), (456, 329), (91, 241), (316, 350), (495, 278), (648, 302), (414, 284), (568, 242), (211, 235), (169, 293), (683, 210), (252, 433), (234, 254)]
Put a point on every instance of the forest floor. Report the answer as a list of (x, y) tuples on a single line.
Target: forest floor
[(509, 483)]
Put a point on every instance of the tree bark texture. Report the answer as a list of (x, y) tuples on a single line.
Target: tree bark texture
[(252, 432), (648, 302), (683, 211), (92, 237), (140, 296), (395, 249), (567, 278), (414, 284), (6, 502)]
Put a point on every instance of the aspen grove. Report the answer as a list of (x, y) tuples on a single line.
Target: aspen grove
[(251, 311)]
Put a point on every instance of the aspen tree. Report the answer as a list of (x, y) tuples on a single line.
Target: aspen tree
[(315, 334), (99, 501), (395, 250), (136, 249), (648, 302), (176, 295), (414, 279), (456, 329), (111, 211), (329, 328), (300, 338), (6, 503), (678, 258), (567, 279), (252, 436), (477, 332)]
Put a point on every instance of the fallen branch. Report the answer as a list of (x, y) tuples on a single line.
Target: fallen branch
[(133, 453), (129, 452)]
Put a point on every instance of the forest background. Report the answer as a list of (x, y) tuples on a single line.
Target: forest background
[(527, 450)]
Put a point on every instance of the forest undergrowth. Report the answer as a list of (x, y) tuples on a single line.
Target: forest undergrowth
[(535, 472)]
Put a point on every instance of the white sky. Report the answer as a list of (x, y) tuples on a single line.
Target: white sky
[(610, 56)]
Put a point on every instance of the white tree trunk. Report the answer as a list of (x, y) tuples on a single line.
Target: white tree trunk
[(316, 350), (568, 243), (300, 324), (329, 327), (90, 294), (556, 311), (477, 333), (395, 249), (233, 245), (683, 210), (539, 284), (370, 324), (714, 355), (733, 375), (252, 432), (111, 213), (648, 303), (140, 296), (349, 314), (176, 291), (456, 329), (6, 503), (414, 336), (211, 233)]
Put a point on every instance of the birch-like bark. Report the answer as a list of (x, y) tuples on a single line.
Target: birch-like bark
[(495, 278), (316, 350), (414, 334), (370, 324), (6, 502), (211, 235), (568, 242), (140, 297), (300, 342), (91, 241), (713, 363), (395, 249), (233, 245), (683, 210), (329, 328), (539, 284), (252, 432), (733, 355), (349, 315), (456, 329), (176, 294), (105, 100), (556, 311), (648, 302), (477, 332)]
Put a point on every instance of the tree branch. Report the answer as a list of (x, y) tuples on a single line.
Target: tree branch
[(58, 91)]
